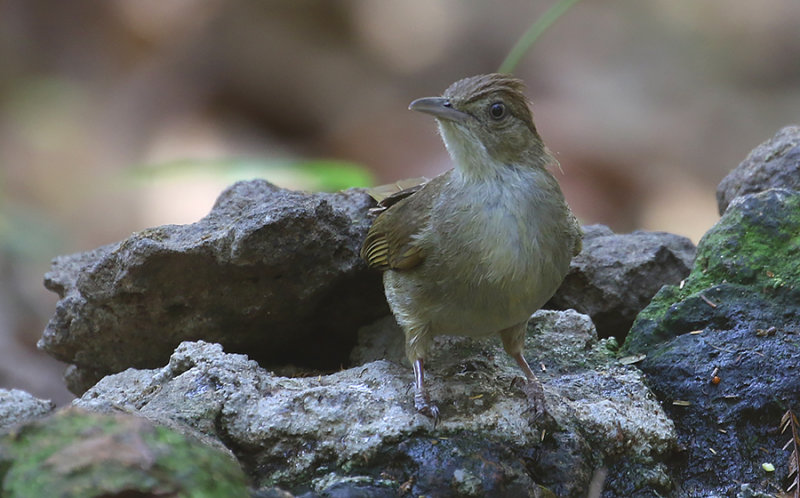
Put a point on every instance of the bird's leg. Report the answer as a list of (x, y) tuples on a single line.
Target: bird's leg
[(526, 369), (513, 341), (418, 342), (422, 402)]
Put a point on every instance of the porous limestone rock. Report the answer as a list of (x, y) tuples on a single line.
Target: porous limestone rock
[(18, 407), (356, 430)]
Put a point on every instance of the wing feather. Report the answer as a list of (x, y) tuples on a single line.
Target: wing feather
[(393, 240)]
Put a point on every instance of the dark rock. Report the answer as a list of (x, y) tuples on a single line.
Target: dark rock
[(270, 272), (76, 453), (615, 275), (738, 417), (380, 340), (753, 252), (18, 407), (355, 432), (737, 318), (773, 164)]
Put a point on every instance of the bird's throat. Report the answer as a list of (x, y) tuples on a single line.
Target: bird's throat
[(475, 163)]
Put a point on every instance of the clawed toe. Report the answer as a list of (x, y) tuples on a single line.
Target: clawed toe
[(518, 381), (425, 407), (535, 394)]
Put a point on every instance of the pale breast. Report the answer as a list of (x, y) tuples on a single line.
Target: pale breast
[(507, 266)]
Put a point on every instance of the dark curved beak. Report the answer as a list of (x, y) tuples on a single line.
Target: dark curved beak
[(438, 107)]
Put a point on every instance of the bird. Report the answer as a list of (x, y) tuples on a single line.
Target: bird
[(478, 249)]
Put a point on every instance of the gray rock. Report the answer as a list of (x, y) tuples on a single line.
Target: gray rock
[(615, 275), (272, 272), (356, 431), (773, 164), (381, 340), (18, 407)]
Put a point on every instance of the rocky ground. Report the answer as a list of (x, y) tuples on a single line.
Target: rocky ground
[(254, 348)]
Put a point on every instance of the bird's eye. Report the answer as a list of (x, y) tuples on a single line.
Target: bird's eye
[(497, 110)]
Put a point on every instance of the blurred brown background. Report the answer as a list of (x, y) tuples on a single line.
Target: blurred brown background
[(116, 115)]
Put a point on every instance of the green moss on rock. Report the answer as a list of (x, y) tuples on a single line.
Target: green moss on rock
[(752, 252), (77, 453)]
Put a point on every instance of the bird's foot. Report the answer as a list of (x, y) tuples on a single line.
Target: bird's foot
[(534, 393), (424, 406)]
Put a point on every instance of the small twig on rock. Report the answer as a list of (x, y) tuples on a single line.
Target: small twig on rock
[(719, 348), (789, 419), (708, 301)]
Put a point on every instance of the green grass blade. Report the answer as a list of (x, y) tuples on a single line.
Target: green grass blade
[(533, 33)]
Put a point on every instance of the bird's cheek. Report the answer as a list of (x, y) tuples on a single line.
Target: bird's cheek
[(496, 148)]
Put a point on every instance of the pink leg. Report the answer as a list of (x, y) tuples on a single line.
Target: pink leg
[(422, 401), (526, 369), (513, 340)]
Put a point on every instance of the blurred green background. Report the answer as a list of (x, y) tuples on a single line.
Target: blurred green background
[(116, 115)]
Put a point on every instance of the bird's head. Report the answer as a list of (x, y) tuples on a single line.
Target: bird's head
[(485, 120)]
